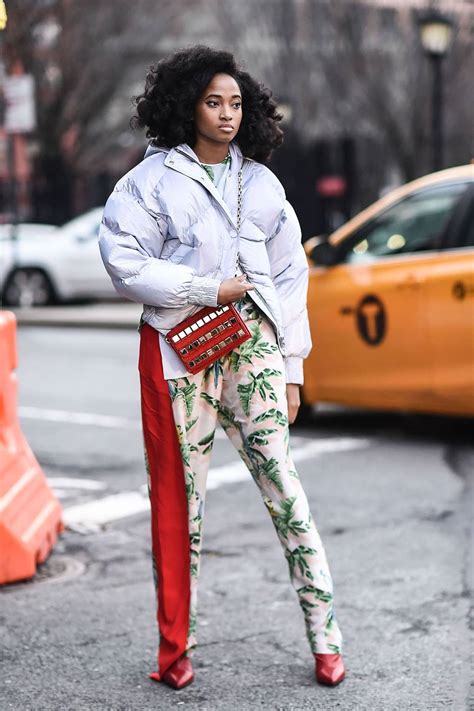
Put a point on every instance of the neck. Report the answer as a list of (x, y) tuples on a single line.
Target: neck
[(210, 151)]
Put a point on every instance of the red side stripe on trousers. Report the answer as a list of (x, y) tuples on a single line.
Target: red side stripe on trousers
[(169, 506)]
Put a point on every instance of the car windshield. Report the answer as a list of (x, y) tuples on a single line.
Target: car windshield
[(84, 224), (412, 225)]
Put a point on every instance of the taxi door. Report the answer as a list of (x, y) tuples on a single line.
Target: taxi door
[(368, 346), (450, 289), (369, 314)]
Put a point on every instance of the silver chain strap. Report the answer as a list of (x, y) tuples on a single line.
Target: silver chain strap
[(239, 202), (239, 216)]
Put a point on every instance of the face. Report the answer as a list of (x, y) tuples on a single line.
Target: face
[(219, 110)]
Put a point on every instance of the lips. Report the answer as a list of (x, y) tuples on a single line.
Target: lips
[(226, 125)]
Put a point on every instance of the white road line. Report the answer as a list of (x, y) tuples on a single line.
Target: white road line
[(237, 471), (90, 515), (68, 488), (89, 419), (110, 508), (79, 418), (64, 482)]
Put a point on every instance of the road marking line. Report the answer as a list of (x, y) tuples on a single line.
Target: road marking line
[(237, 471), (79, 418), (88, 419), (116, 506), (110, 508), (64, 482)]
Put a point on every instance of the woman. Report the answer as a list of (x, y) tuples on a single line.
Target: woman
[(174, 229)]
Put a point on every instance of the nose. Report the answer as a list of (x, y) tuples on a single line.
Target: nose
[(225, 115)]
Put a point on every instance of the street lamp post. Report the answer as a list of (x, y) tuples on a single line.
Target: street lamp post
[(436, 33)]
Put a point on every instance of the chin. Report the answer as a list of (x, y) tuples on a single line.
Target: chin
[(221, 137)]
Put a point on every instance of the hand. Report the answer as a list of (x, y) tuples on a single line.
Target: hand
[(233, 289), (293, 397)]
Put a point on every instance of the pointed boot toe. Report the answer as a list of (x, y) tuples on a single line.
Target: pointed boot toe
[(179, 674), (329, 669)]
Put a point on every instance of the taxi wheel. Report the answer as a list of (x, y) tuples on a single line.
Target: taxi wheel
[(28, 286)]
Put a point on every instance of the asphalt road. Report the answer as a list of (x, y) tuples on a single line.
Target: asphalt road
[(392, 498)]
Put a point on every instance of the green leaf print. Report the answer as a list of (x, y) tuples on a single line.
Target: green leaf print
[(329, 624), (216, 369), (207, 442), (252, 456), (276, 415), (271, 471), (212, 401), (334, 648), (258, 383), (307, 606), (191, 424), (284, 520), (207, 439), (194, 541), (226, 416), (311, 636), (255, 347), (245, 394), (259, 437), (248, 461), (185, 447), (317, 592), (189, 484), (298, 558), (186, 392)]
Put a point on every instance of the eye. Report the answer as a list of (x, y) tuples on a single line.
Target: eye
[(237, 105), (211, 103)]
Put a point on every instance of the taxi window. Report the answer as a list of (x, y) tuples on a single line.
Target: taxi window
[(412, 225)]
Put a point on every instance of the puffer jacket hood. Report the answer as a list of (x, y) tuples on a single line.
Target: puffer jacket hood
[(168, 239)]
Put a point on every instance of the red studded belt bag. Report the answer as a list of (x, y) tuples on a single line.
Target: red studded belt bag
[(212, 331)]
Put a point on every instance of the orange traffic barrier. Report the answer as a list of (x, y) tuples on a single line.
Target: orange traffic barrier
[(30, 514)]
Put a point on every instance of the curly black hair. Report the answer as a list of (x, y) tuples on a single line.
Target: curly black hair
[(175, 83)]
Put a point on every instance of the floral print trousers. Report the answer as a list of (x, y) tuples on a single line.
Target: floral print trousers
[(245, 391)]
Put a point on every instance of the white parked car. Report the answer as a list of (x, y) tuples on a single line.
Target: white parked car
[(48, 264)]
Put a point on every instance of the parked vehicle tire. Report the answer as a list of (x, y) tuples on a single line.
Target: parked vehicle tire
[(28, 286)]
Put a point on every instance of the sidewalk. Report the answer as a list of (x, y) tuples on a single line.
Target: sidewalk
[(101, 315)]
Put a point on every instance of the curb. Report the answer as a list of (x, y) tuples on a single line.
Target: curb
[(96, 316)]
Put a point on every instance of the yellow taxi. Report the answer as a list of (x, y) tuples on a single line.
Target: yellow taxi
[(391, 301)]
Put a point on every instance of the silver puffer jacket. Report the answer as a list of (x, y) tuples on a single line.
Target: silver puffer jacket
[(168, 239)]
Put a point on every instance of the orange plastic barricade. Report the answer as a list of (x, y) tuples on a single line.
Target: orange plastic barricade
[(30, 514)]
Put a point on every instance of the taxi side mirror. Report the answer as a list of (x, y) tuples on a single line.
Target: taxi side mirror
[(324, 254)]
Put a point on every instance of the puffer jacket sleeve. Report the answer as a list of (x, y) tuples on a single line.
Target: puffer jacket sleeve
[(290, 276), (131, 238)]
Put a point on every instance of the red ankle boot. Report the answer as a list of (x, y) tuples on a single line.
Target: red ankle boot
[(329, 669), (178, 675)]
